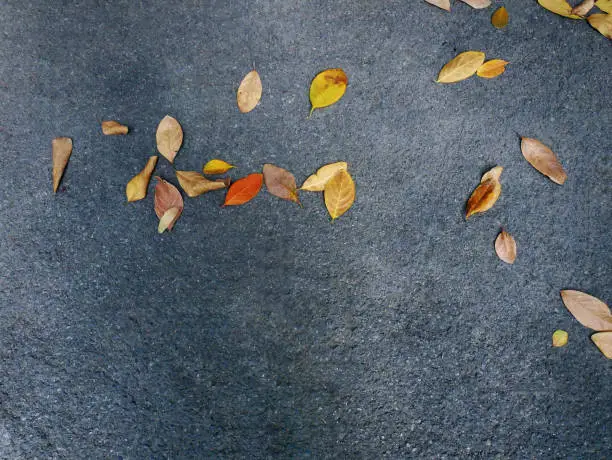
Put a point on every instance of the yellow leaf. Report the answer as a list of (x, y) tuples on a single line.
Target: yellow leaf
[(492, 68), (249, 92), (583, 8), (505, 247), (560, 7), (444, 4), (339, 194), (327, 88), (486, 194), (216, 167), (500, 18), (604, 5), (461, 67), (559, 338), (196, 184), (316, 182), (169, 137), (603, 340), (61, 148), (136, 188), (113, 128), (167, 218), (602, 23)]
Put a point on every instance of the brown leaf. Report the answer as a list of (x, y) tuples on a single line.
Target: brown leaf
[(169, 137), (559, 338), (167, 196), (500, 18), (603, 340), (602, 23), (505, 247), (113, 128), (136, 188), (61, 148), (339, 194), (560, 7), (280, 183), (249, 92), (478, 4), (588, 310), (444, 4), (583, 8), (317, 181), (196, 184), (543, 159), (486, 194), (492, 68)]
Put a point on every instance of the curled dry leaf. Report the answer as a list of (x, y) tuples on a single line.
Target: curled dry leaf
[(604, 5), (462, 66), (61, 150), (196, 184), (113, 128), (603, 340), (492, 68), (602, 22), (169, 137), (316, 182), (478, 4), (560, 7), (216, 167), (588, 310), (486, 194), (327, 88), (244, 190), (559, 338), (444, 4), (505, 247), (167, 197), (136, 188), (280, 183), (583, 8), (500, 18), (339, 194), (168, 219), (543, 159), (249, 92)]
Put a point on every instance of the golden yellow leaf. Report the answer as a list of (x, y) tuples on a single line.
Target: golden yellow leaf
[(316, 182), (113, 128), (543, 159), (216, 167), (61, 148), (249, 92), (462, 66), (339, 194), (168, 219), (559, 338), (604, 5), (500, 18), (327, 88), (492, 68), (560, 7), (136, 188), (486, 194), (583, 8), (444, 4), (588, 310), (603, 340), (505, 247), (602, 22), (169, 137), (196, 184), (478, 4)]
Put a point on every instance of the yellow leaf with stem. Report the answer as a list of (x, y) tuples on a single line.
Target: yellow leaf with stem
[(327, 88)]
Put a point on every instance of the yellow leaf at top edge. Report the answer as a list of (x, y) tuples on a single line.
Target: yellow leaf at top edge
[(327, 88), (217, 167), (560, 7), (604, 5), (462, 66)]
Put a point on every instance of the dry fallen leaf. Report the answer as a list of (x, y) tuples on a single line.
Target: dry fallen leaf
[(316, 182), (560, 7), (603, 340), (500, 18), (169, 137), (113, 128), (543, 159), (486, 194), (249, 92), (327, 88), (559, 338), (462, 66), (583, 8), (505, 247), (136, 188), (216, 167), (492, 68), (196, 184), (588, 310), (167, 197), (478, 4), (168, 219), (280, 183), (444, 4), (244, 190), (604, 5), (602, 22), (339, 194), (61, 149)]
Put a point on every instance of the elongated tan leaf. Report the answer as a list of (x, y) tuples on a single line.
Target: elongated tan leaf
[(462, 66), (478, 4), (500, 18), (602, 22), (61, 150), (560, 7), (604, 5), (136, 188), (603, 340), (583, 8), (339, 194), (113, 128), (543, 159), (280, 183), (444, 4), (486, 194), (217, 167), (588, 310), (505, 247), (559, 338), (249, 92), (316, 182), (196, 184), (168, 219), (167, 196), (492, 68), (169, 137)]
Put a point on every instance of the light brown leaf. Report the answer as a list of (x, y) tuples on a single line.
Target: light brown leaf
[(486, 194), (61, 150), (602, 23), (280, 183), (169, 137), (113, 128), (492, 68), (543, 159), (583, 8), (604, 5), (136, 188), (167, 196), (500, 18), (505, 247), (339, 194), (316, 182), (249, 92), (168, 219), (478, 4), (196, 184), (444, 4), (462, 66), (560, 7), (603, 340), (588, 310), (559, 338)]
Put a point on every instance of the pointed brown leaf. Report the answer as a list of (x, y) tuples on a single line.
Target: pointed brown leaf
[(249, 92), (505, 247), (603, 340), (280, 183), (169, 137), (167, 196), (588, 310), (61, 148), (196, 184), (136, 188), (543, 159), (486, 194), (444, 4), (113, 128)]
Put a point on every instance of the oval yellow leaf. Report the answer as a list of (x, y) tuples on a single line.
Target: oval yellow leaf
[(603, 340), (492, 68), (249, 92), (216, 167), (327, 88), (169, 137), (604, 5), (316, 182), (486, 194), (602, 23), (136, 188), (505, 247), (559, 338), (462, 66), (339, 194), (560, 7)]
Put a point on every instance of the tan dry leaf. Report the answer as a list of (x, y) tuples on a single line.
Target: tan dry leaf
[(602, 22), (169, 217), (500, 18), (339, 194), (583, 8), (604, 5), (61, 150), (169, 137), (588, 310), (249, 92), (462, 66), (113, 128), (505, 247), (559, 338), (603, 341), (444, 4), (280, 183), (560, 7), (316, 182), (136, 188), (492, 68), (486, 194), (167, 196), (478, 4), (196, 184), (543, 159)]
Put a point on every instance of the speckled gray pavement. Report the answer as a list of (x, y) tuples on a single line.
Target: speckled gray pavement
[(265, 331)]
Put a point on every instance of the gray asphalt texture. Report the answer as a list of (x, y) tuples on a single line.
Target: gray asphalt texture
[(265, 331)]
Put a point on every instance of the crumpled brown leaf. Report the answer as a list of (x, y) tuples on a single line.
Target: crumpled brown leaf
[(196, 184), (486, 194), (280, 183), (505, 247), (444, 4), (136, 188), (588, 310), (169, 137), (543, 159), (603, 341), (113, 128), (61, 150), (167, 196)]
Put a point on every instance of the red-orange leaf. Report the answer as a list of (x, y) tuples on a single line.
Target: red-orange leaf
[(244, 190)]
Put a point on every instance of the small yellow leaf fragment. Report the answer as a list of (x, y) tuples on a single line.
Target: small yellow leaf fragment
[(462, 66), (583, 8), (543, 159), (486, 194), (500, 18), (492, 68), (444, 4), (602, 22), (327, 88), (113, 128), (168, 218), (560, 7), (604, 5), (588, 310), (169, 137), (603, 340), (505, 247), (249, 92), (339, 194), (478, 4), (559, 338), (316, 182), (196, 184), (61, 150), (136, 188), (216, 167)]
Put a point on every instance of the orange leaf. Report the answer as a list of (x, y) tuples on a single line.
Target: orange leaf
[(492, 68), (486, 194), (588, 310), (543, 159), (249, 92), (62, 149), (500, 18), (167, 196), (244, 190), (505, 247), (113, 128), (280, 183)]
